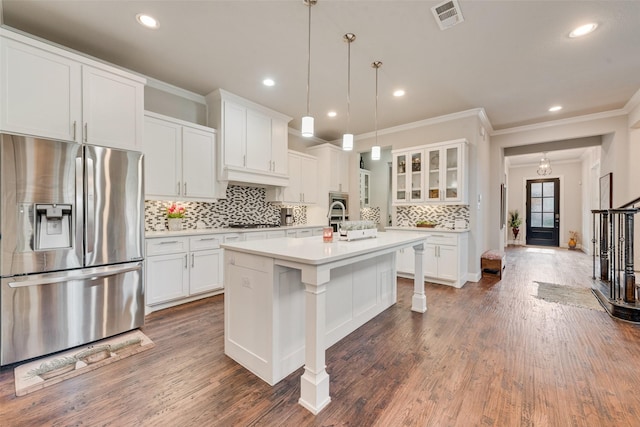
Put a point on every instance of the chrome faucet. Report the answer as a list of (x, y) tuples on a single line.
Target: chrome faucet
[(336, 203)]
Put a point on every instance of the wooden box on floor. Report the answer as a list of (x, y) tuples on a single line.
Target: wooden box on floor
[(492, 262)]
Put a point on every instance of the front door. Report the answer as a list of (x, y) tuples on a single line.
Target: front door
[(543, 212)]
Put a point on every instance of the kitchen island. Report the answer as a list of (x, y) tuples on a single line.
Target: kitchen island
[(288, 300)]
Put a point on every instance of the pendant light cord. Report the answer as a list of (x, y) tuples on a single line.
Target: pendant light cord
[(309, 4)]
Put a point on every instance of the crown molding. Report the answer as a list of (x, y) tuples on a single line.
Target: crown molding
[(567, 121), (633, 102), (175, 90), (315, 139), (474, 112)]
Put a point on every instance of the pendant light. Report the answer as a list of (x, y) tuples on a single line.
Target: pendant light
[(347, 138), (375, 150), (307, 121), (544, 168)]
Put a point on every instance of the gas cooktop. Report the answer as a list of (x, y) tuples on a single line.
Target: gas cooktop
[(254, 225)]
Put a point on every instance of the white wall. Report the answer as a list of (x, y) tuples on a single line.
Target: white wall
[(570, 175)]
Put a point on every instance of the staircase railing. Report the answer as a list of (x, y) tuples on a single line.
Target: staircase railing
[(615, 228)]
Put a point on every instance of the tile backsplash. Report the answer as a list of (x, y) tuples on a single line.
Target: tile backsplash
[(243, 205), (444, 215)]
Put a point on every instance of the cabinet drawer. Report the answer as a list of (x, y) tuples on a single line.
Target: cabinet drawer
[(166, 245), (204, 242), (442, 239)]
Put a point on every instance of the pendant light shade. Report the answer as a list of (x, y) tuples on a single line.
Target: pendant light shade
[(347, 138), (347, 142), (375, 150), (307, 126), (307, 121)]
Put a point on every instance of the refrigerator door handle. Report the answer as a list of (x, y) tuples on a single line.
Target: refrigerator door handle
[(91, 274), (90, 219)]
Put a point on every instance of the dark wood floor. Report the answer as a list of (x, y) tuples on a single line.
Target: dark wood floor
[(489, 354)]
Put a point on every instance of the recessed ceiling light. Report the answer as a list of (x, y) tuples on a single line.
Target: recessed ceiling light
[(268, 82), (399, 92), (332, 114), (555, 108), (148, 21), (583, 30)]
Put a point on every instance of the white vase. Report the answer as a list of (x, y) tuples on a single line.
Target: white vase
[(175, 224)]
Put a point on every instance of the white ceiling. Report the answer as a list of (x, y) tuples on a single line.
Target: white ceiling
[(512, 58)]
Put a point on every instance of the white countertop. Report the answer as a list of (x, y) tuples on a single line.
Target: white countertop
[(314, 251), (431, 230), (199, 231)]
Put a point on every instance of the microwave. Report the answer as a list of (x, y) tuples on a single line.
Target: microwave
[(342, 198)]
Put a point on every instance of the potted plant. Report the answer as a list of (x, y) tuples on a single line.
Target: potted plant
[(514, 222), (174, 217), (573, 239)]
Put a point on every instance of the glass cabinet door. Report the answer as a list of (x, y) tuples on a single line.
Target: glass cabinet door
[(433, 174), (452, 161), (400, 172), (416, 177)]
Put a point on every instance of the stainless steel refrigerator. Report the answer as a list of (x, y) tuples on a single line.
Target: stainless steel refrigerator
[(71, 245)]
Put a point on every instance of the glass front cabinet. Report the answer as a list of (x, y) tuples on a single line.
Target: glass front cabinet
[(432, 173), (408, 176)]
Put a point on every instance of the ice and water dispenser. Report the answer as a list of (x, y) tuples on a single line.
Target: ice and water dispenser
[(53, 226)]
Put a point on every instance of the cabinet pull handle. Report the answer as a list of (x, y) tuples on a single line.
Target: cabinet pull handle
[(86, 132), (74, 130), (185, 188), (168, 242), (185, 261), (192, 260), (178, 188), (209, 239), (244, 160)]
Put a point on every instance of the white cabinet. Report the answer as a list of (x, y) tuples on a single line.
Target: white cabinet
[(445, 176), (408, 177), (303, 181), (433, 173), (444, 258), (206, 261), (335, 162), (182, 269), (253, 140), (167, 270), (365, 188), (50, 92), (180, 159)]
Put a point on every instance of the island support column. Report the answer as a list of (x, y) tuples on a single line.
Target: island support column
[(419, 300), (314, 383)]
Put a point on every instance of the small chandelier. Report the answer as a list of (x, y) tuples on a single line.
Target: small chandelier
[(347, 138), (544, 168), (375, 150), (307, 121)]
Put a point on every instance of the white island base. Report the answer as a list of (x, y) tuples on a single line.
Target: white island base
[(288, 300)]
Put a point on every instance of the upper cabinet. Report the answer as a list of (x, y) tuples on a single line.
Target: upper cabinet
[(303, 185), (179, 159), (335, 162), (433, 173), (365, 190), (253, 140), (49, 92)]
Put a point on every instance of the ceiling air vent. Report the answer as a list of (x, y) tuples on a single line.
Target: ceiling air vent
[(447, 14)]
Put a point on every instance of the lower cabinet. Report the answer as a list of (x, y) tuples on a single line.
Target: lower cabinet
[(182, 269), (444, 259)]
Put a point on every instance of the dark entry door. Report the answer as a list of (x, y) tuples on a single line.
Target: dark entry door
[(543, 212)]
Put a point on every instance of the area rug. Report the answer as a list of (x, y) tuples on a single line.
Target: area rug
[(568, 295), (50, 370)]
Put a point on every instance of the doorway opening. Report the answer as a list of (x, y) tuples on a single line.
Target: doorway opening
[(543, 212)]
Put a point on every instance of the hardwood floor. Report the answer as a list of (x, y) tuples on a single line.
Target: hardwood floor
[(489, 354)]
